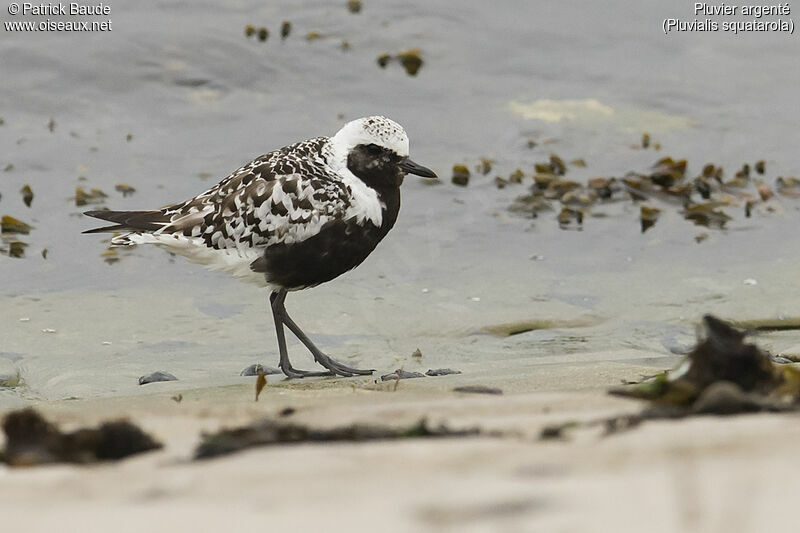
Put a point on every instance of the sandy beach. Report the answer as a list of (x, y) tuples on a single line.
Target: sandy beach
[(603, 185), (701, 474)]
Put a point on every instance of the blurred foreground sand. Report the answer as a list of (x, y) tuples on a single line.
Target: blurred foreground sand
[(700, 474)]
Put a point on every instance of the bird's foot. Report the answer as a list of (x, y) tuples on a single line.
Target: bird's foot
[(339, 368), (293, 373)]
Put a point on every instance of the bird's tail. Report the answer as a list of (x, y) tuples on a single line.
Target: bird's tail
[(145, 221), (128, 221)]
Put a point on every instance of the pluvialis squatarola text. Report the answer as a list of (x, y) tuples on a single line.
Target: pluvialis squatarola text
[(290, 219)]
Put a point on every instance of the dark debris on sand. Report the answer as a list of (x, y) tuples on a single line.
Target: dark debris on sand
[(410, 60), (254, 370), (32, 440), (401, 374), (157, 376), (270, 432), (722, 375), (404, 374), (441, 372), (722, 366), (478, 389), (11, 225)]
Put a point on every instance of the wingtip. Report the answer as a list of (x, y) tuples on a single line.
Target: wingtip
[(106, 229)]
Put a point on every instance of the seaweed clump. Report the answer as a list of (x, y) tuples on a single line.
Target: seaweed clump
[(9, 224), (286, 29), (270, 432), (16, 249), (27, 195), (32, 440), (9, 228), (92, 196), (648, 216), (460, 175), (125, 189), (262, 33), (703, 200), (722, 375), (410, 60)]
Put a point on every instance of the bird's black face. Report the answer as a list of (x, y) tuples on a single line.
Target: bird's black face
[(381, 167)]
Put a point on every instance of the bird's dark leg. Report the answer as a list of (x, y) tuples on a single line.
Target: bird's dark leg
[(331, 364), (278, 314)]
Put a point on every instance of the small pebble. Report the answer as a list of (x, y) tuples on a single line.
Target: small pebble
[(401, 374), (253, 370), (442, 372), (157, 376)]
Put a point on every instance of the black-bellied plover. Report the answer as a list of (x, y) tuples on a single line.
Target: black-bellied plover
[(290, 219)]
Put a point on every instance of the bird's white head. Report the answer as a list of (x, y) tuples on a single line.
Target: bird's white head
[(376, 150), (381, 131)]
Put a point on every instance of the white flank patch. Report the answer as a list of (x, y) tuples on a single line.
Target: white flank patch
[(231, 260)]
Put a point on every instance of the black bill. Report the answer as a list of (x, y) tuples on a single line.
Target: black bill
[(409, 167)]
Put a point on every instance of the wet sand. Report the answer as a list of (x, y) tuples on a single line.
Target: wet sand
[(700, 474), (176, 110), (175, 98)]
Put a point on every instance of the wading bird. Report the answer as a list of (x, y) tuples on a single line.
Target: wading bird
[(290, 219)]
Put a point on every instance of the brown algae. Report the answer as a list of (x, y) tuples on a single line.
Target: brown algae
[(460, 175)]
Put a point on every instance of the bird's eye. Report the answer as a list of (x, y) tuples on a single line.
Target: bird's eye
[(374, 149)]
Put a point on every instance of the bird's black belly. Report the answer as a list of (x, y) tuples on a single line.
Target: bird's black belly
[(338, 247)]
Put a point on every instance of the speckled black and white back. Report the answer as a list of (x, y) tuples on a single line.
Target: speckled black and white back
[(281, 198)]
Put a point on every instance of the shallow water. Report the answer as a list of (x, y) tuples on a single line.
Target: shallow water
[(198, 99)]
